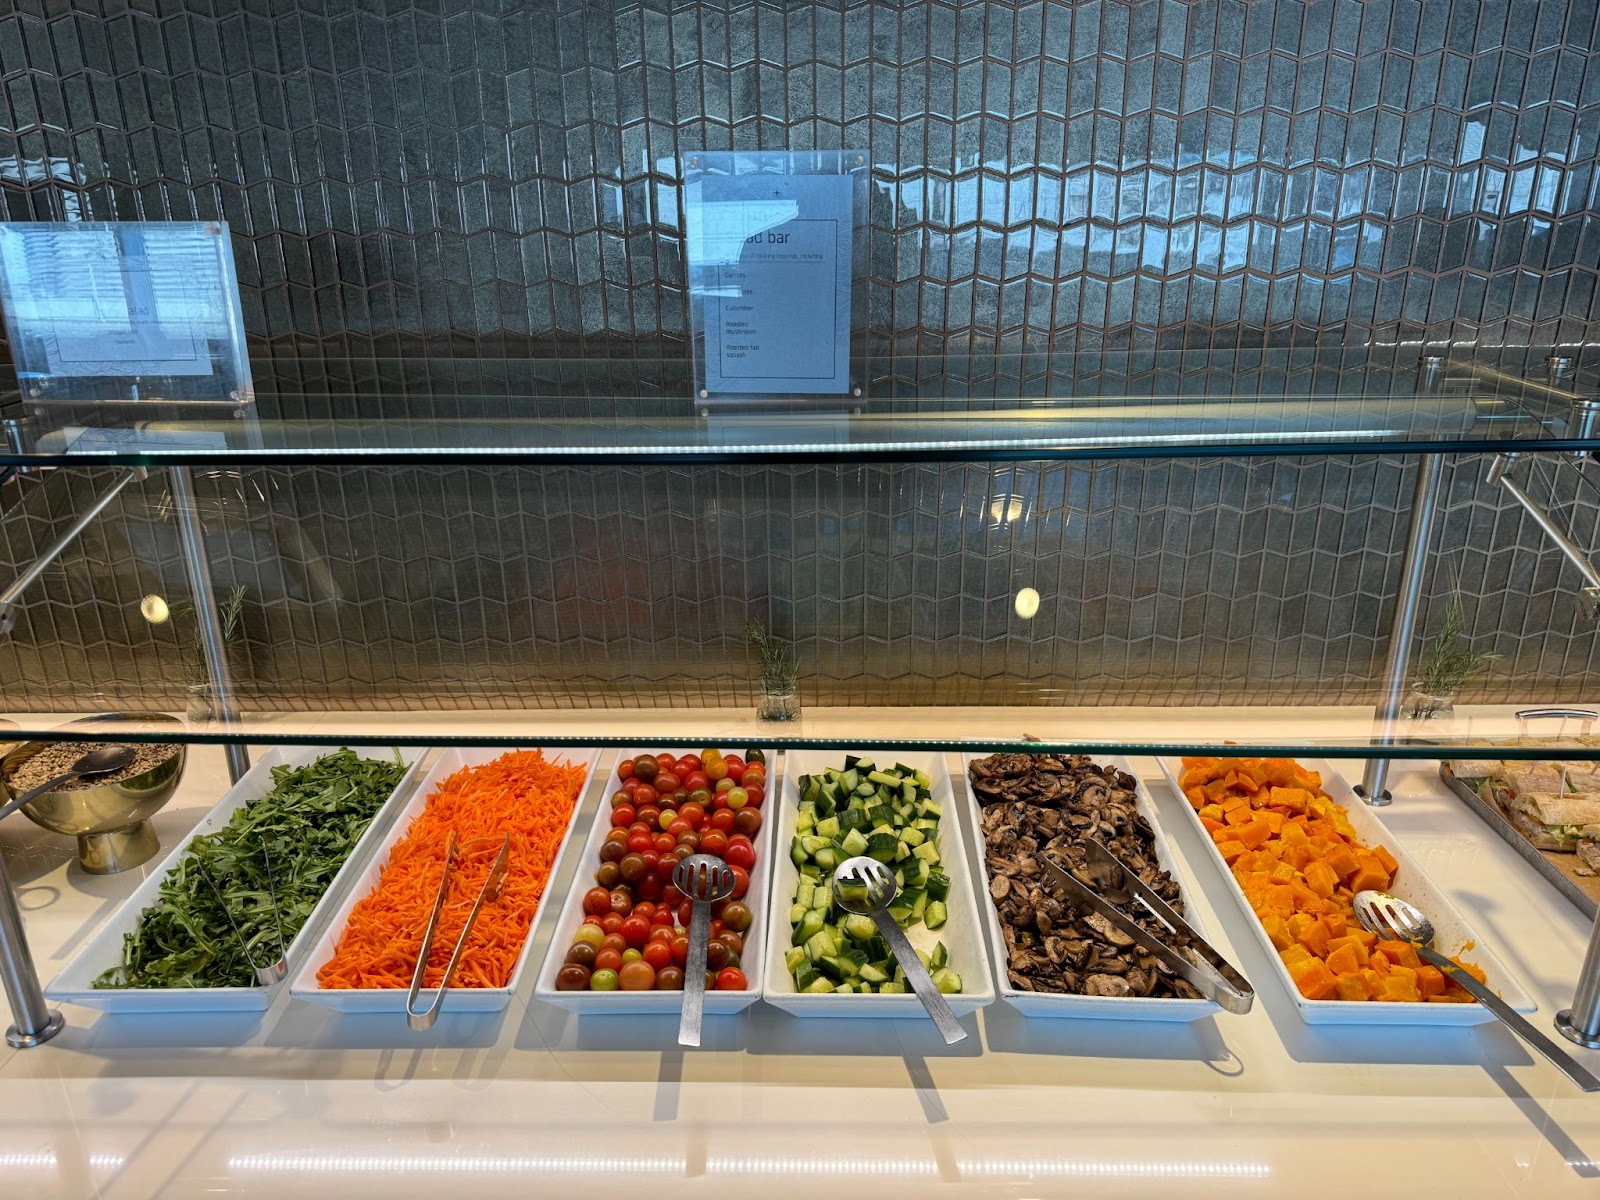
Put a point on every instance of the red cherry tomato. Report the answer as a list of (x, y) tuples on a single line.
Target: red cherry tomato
[(645, 794), (754, 794), (716, 923), (666, 783), (719, 801), (678, 828), (714, 842), (650, 887), (723, 820), (622, 901), (631, 785), (735, 769), (662, 933), (608, 960), (625, 769), (614, 941), (665, 917), (731, 979), (640, 827), (672, 899), (611, 922), (622, 816), (685, 914), (645, 909), (664, 842), (747, 821), (638, 843), (740, 854), (684, 765), (636, 931), (697, 779), (664, 760), (597, 902), (658, 955), (694, 814), (741, 882), (680, 950)]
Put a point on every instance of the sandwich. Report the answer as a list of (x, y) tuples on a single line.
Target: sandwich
[(1555, 820)]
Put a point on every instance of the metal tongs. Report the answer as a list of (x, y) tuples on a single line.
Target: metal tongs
[(272, 972), (491, 888), (1211, 973)]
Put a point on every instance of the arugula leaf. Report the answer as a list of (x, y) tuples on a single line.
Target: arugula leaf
[(309, 823)]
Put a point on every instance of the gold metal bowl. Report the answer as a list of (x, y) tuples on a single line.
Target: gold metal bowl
[(110, 820)]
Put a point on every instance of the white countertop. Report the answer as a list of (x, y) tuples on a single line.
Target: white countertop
[(535, 1101)]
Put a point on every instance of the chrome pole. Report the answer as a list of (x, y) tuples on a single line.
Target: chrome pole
[(33, 1022), (1430, 470), (191, 537), (1581, 1022)]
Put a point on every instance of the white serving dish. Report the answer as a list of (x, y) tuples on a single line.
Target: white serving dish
[(961, 934), (393, 1000), (1411, 884), (75, 983), (621, 1003), (1106, 1008)]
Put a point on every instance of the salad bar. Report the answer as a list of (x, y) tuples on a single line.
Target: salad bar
[(329, 862)]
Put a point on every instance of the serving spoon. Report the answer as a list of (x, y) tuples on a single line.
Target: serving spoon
[(1391, 917), (704, 879), (100, 761)]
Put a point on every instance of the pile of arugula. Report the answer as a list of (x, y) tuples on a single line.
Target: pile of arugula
[(307, 825)]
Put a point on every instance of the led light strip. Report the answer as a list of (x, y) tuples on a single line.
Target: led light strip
[(48, 1160)]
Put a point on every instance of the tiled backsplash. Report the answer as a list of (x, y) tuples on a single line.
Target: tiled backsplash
[(498, 179)]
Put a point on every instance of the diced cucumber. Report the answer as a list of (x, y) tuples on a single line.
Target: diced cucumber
[(885, 778), (822, 944), (883, 846), (912, 836), (819, 985), (797, 853), (849, 781), (804, 976), (893, 987), (828, 858), (874, 975), (828, 827), (853, 843), (900, 912), (860, 928), (810, 925), (939, 958), (928, 852), (935, 915), (947, 981), (938, 885), (930, 808), (797, 911), (803, 893), (829, 967), (793, 957)]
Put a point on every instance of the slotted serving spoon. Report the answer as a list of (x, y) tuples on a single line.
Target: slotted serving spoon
[(704, 880), (1390, 917), (867, 887)]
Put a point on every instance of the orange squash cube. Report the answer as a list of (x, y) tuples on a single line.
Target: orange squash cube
[(1314, 937), (1314, 979), (1430, 981), (1355, 944), (1369, 876), (1337, 923), (1390, 863), (1320, 878), (1343, 961), (1401, 954), (1230, 851), (1398, 990), (1350, 987), (1277, 930)]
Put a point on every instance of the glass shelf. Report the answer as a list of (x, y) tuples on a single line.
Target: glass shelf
[(972, 408), (1486, 731)]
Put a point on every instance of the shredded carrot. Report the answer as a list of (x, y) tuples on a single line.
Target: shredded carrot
[(518, 793)]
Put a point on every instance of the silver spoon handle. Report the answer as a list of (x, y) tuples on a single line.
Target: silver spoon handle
[(1513, 1020), (921, 982), (694, 975), (33, 794)]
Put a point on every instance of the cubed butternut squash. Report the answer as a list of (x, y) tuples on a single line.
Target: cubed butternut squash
[(1314, 979)]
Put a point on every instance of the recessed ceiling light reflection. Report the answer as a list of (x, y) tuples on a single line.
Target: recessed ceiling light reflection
[(47, 1160), (1005, 510), (153, 608), (1026, 603)]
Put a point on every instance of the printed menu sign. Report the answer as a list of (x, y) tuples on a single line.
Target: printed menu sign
[(770, 258)]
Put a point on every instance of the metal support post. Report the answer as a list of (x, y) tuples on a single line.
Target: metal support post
[(1430, 470), (33, 1022), (1581, 1022), (9, 597), (191, 537)]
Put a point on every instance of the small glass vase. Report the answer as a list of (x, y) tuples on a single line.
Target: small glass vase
[(199, 708), (1423, 705), (779, 705)]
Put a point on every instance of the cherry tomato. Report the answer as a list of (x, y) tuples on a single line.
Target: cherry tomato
[(608, 875), (650, 814), (737, 916), (658, 954), (644, 908), (645, 768), (733, 941), (680, 950), (672, 898), (684, 765), (731, 979), (722, 820), (719, 802), (666, 782), (597, 901), (625, 769), (629, 787), (611, 922), (664, 759), (631, 955), (622, 901), (612, 851), (716, 922), (676, 799), (591, 934), (638, 843), (700, 796), (714, 843), (572, 978), (669, 979), (690, 839), (735, 769), (636, 930), (632, 867), (608, 960), (645, 794), (637, 977), (716, 769), (639, 826), (665, 918), (621, 797), (725, 785), (695, 781), (668, 816), (663, 843), (678, 828), (662, 933), (622, 816), (741, 881), (716, 956), (603, 981), (738, 798), (754, 775), (582, 953), (694, 814), (753, 794), (649, 888), (615, 941), (747, 821)]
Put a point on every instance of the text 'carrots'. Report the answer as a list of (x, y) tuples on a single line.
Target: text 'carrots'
[(518, 793)]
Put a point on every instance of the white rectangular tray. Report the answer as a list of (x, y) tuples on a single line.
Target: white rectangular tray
[(1410, 884), (960, 933), (75, 983), (393, 1000), (637, 1003), (1061, 1004)]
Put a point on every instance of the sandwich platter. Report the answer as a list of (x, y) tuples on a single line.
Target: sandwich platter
[(1547, 811)]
